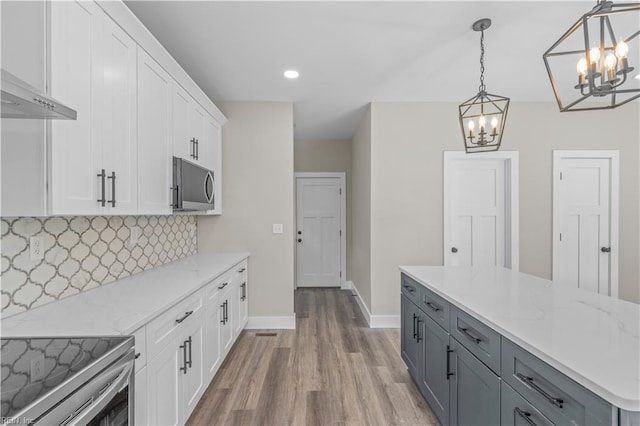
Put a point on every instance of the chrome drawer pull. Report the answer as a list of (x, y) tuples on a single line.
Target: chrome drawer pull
[(220, 287), (526, 416), (432, 306), (409, 288), (186, 314), (464, 331), (529, 381), (242, 270)]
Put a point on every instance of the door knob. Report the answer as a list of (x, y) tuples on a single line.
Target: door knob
[(606, 249), (299, 232), (454, 250), (299, 240)]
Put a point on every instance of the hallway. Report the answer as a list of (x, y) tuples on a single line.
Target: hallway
[(332, 369)]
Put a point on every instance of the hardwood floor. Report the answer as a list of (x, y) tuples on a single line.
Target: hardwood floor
[(332, 369)]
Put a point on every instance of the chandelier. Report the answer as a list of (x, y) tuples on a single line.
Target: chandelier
[(599, 54), (482, 117)]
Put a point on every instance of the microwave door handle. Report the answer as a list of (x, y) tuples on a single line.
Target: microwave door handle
[(84, 416), (209, 197)]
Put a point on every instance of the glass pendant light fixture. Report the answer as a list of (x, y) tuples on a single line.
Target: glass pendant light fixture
[(482, 117), (590, 66)]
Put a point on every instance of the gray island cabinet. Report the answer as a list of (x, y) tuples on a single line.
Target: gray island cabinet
[(488, 346)]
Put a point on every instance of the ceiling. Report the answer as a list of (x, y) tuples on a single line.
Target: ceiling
[(352, 53)]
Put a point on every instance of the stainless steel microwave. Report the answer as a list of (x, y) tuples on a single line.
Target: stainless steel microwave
[(193, 187)]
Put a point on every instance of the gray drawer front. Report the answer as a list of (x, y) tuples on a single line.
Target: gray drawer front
[(411, 289), (481, 341), (555, 395), (517, 411), (436, 307)]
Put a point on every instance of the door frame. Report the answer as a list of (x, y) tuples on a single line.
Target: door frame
[(511, 201), (343, 220), (614, 206)]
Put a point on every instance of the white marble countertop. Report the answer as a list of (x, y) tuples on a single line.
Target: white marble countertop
[(123, 306), (591, 338)]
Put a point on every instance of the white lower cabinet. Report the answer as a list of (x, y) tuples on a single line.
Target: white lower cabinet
[(185, 348), (140, 397)]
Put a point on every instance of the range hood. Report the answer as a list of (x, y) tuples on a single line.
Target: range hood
[(21, 100)]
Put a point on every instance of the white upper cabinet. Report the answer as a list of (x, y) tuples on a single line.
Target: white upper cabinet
[(93, 69), (155, 88), (211, 151), (182, 144), (76, 146), (119, 122)]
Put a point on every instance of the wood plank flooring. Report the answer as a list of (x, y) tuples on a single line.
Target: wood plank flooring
[(332, 369)]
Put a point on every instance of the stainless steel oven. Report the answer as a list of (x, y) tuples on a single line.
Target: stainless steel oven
[(68, 381)]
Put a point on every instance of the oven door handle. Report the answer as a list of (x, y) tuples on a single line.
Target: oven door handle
[(88, 411)]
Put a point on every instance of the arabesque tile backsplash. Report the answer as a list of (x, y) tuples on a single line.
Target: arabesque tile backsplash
[(81, 253)]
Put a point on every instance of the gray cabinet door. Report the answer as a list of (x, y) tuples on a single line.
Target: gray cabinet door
[(434, 381), (409, 340), (474, 389)]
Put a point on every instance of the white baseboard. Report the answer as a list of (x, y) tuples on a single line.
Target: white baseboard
[(268, 323), (347, 285), (375, 321)]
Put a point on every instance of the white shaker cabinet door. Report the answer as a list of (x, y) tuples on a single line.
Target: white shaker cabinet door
[(140, 398), (193, 380), (164, 384), (119, 123), (155, 88), (183, 145), (213, 328), (76, 80)]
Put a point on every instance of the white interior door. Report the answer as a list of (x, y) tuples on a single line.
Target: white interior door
[(318, 234), (583, 219), (480, 210)]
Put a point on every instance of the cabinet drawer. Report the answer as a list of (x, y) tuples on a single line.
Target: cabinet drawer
[(481, 340), (163, 329), (217, 287), (555, 395), (516, 411), (436, 307), (410, 288), (140, 337)]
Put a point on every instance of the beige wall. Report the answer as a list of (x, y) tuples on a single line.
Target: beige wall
[(360, 189), (406, 185), (257, 192), (328, 156)]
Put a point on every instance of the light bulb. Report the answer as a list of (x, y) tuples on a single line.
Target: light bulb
[(471, 125), (494, 122), (622, 49), (582, 66), (594, 54), (482, 121), (610, 61)]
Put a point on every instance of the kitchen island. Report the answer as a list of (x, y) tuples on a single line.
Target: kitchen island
[(526, 340)]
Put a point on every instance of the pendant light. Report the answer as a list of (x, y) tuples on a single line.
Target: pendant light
[(594, 65), (482, 117)]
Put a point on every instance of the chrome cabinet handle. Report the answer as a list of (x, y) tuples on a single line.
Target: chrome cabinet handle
[(137, 355), (113, 189), (220, 287), (449, 373), (525, 415), (186, 314), (102, 175), (606, 249), (409, 288), (183, 346), (418, 337), (454, 250), (414, 326), (244, 291), (226, 311), (197, 149), (190, 342), (192, 154), (432, 306), (242, 270), (558, 402), (465, 331)]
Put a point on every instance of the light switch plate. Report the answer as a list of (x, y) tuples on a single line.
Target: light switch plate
[(278, 228), (36, 248)]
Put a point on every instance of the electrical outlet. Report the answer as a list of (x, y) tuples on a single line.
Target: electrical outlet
[(278, 228), (36, 248), (37, 368)]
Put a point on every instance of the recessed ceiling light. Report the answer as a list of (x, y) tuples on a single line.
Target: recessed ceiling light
[(291, 74)]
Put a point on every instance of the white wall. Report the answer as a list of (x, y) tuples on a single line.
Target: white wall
[(360, 253), (257, 192), (407, 142)]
